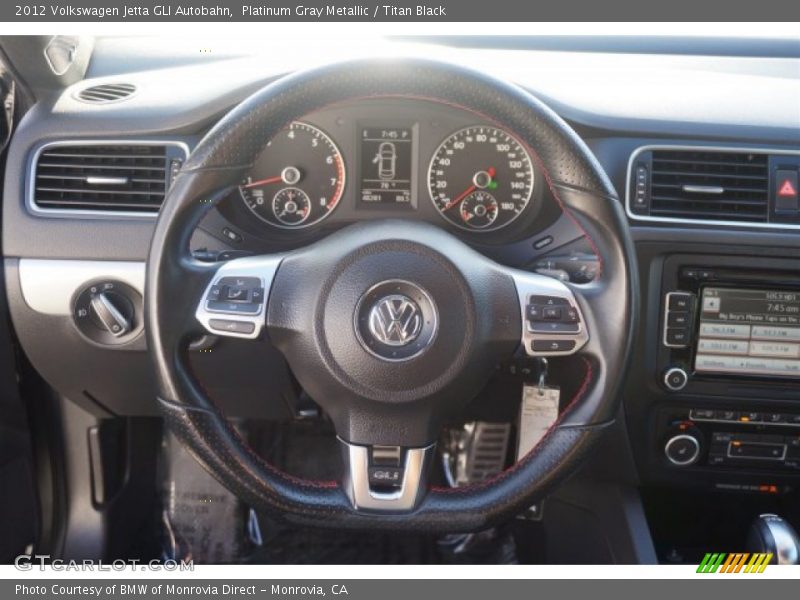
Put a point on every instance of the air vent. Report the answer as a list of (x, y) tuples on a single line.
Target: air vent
[(704, 185), (104, 177), (722, 186), (109, 92)]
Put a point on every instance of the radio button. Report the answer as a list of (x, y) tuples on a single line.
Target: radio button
[(675, 379), (766, 332), (678, 319), (723, 346), (780, 349), (677, 336), (680, 301), (725, 330)]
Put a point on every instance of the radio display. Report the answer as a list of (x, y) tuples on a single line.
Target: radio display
[(749, 332)]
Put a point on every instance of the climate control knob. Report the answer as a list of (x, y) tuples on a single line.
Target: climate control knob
[(675, 379), (682, 449)]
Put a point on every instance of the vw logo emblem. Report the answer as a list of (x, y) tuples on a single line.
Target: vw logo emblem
[(395, 320)]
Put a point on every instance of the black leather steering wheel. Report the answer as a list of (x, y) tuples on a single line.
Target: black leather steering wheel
[(388, 382)]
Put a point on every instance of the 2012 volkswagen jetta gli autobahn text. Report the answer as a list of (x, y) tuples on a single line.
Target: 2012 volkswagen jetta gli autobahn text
[(465, 301)]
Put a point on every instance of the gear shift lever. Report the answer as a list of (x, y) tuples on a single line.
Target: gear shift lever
[(770, 533)]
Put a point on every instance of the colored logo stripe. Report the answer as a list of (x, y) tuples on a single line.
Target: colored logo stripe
[(734, 563)]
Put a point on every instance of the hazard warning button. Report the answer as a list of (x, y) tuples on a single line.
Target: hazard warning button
[(786, 198)]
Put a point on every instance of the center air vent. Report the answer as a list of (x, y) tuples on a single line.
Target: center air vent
[(104, 177), (703, 185), (105, 93)]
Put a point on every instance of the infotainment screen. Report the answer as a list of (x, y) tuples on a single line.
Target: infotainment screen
[(749, 332)]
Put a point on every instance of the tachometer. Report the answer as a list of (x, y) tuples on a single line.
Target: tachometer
[(481, 178), (298, 180)]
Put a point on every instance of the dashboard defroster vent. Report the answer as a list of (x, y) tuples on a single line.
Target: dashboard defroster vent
[(105, 93), (104, 177)]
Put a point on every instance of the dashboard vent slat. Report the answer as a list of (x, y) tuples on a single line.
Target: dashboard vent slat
[(108, 178), (105, 93), (706, 185)]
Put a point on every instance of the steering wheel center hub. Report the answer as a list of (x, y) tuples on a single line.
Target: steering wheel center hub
[(396, 320)]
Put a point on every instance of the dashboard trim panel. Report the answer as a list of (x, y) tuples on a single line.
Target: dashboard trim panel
[(49, 285)]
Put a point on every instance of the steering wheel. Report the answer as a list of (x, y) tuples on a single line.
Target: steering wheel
[(391, 326)]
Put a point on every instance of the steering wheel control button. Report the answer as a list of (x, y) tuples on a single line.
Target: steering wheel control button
[(552, 346), (239, 289), (682, 450), (227, 325), (396, 320), (236, 295), (548, 300), (675, 379), (545, 327), (551, 313), (552, 322)]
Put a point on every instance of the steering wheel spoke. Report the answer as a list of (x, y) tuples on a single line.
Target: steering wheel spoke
[(553, 322), (234, 302), (385, 478)]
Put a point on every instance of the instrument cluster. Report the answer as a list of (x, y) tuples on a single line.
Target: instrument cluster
[(393, 157)]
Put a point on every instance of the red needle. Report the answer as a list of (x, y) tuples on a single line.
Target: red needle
[(266, 181), (461, 196), (491, 171)]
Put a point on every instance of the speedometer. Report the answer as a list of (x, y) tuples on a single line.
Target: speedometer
[(298, 180), (481, 178)]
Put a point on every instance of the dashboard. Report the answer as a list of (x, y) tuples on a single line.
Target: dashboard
[(377, 158)]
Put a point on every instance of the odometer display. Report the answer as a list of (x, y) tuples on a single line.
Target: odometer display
[(480, 178), (298, 180)]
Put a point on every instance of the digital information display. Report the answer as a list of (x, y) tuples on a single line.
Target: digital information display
[(749, 332), (386, 166)]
